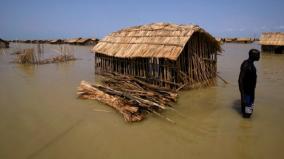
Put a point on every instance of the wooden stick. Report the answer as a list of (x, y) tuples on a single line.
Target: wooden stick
[(222, 79)]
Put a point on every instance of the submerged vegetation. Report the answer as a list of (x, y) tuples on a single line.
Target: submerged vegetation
[(27, 56), (35, 56)]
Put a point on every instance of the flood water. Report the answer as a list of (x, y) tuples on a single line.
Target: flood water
[(41, 117)]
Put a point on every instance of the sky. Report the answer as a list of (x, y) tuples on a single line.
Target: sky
[(38, 19)]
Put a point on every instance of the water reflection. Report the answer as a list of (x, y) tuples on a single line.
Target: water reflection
[(28, 70)]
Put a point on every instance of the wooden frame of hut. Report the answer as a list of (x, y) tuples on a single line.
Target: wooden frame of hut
[(272, 42), (163, 54), (4, 43)]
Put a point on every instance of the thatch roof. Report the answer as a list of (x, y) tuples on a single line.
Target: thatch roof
[(53, 41), (95, 39), (161, 40), (56, 41), (270, 38), (73, 40), (83, 40)]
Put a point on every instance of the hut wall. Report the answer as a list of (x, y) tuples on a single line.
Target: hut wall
[(272, 49), (197, 65), (156, 71)]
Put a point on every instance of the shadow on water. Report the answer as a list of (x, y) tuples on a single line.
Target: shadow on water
[(236, 105)]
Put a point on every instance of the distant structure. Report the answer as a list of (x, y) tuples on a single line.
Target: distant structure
[(27, 41), (230, 40), (244, 40), (71, 41), (86, 41), (163, 54), (57, 41), (4, 43), (81, 41), (220, 40), (272, 42)]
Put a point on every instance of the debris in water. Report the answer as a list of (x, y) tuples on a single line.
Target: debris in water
[(130, 96), (30, 56)]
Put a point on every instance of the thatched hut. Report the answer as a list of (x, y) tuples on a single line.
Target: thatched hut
[(230, 40), (4, 43), (220, 40), (244, 40), (87, 41), (27, 41), (272, 42), (163, 54), (71, 41), (35, 41), (57, 41), (42, 41)]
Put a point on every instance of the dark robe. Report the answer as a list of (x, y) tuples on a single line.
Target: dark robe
[(247, 81)]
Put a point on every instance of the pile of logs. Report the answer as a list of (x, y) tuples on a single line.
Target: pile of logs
[(130, 96)]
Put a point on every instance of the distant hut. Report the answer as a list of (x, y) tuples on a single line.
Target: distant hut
[(256, 39), (35, 41), (42, 41), (272, 42), (27, 41), (57, 41), (20, 41), (71, 41), (4, 43), (163, 54), (220, 40), (87, 41), (230, 40), (244, 40)]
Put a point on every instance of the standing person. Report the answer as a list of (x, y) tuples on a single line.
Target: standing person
[(247, 82)]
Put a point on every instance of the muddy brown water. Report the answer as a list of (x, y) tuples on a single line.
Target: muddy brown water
[(41, 118)]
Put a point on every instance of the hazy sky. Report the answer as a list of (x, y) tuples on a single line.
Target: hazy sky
[(37, 19)]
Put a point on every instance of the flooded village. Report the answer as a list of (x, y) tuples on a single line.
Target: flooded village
[(43, 97), (150, 90)]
